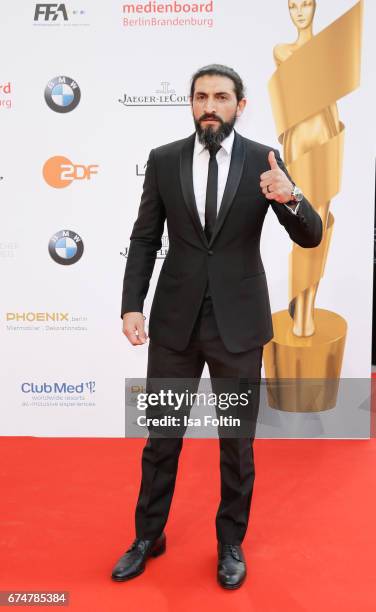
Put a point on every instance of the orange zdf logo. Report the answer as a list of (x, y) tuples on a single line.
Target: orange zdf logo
[(60, 172)]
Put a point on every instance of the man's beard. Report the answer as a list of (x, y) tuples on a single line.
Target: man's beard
[(209, 136)]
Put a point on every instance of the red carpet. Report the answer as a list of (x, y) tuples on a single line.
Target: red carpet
[(67, 515)]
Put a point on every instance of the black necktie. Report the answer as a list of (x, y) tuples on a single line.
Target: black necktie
[(211, 192)]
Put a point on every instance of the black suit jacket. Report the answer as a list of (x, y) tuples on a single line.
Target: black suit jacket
[(231, 261)]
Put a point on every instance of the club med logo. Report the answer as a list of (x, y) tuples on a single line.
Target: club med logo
[(161, 254), (59, 171), (163, 96), (62, 94), (183, 14), (5, 95), (57, 394), (57, 14), (66, 247), (55, 387)]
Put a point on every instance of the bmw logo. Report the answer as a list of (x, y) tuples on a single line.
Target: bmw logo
[(66, 247), (62, 94)]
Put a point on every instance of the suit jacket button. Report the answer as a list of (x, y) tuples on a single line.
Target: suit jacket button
[(210, 252)]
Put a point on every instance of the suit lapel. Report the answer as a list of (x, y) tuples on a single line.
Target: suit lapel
[(233, 180), (186, 179)]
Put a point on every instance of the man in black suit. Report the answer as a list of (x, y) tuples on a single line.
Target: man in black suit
[(211, 303)]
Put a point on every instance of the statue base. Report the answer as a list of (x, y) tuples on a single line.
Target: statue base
[(311, 365)]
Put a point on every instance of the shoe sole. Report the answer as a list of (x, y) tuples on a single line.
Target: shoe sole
[(127, 577), (154, 554)]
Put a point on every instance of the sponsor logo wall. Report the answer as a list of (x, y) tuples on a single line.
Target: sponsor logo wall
[(91, 90)]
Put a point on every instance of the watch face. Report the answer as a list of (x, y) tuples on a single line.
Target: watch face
[(297, 193)]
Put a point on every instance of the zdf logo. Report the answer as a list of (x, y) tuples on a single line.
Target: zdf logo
[(60, 172)]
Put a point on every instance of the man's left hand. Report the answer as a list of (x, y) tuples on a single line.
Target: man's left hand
[(274, 183)]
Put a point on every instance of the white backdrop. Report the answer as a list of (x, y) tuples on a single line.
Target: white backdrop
[(108, 60)]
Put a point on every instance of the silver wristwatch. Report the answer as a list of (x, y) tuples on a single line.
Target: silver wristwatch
[(296, 194)]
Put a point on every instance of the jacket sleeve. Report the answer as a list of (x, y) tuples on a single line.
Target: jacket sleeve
[(145, 241), (304, 228)]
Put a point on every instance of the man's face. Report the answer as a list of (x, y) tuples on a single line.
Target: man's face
[(215, 108)]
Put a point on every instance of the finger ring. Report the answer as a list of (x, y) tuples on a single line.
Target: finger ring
[(267, 189)]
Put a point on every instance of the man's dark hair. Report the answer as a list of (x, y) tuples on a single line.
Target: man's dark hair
[(221, 70)]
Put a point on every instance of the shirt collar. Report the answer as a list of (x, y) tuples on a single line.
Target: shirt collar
[(226, 144)]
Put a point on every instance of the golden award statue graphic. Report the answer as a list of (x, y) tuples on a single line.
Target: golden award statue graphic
[(312, 74)]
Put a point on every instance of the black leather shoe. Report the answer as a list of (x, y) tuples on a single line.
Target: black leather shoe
[(232, 568), (132, 563)]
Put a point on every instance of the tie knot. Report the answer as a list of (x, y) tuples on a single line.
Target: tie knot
[(213, 149)]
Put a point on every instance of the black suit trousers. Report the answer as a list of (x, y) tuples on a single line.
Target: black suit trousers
[(160, 455)]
